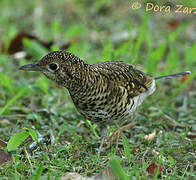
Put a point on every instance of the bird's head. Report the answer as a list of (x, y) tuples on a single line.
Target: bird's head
[(59, 66)]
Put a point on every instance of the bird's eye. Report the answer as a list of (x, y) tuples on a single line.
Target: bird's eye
[(53, 66)]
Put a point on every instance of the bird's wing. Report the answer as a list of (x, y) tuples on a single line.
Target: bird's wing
[(126, 76)]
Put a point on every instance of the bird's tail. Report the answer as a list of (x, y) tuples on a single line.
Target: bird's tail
[(173, 75)]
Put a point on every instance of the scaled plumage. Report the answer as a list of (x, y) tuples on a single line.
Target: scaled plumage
[(104, 93)]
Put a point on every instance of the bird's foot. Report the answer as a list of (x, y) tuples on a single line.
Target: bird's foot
[(117, 133), (113, 137)]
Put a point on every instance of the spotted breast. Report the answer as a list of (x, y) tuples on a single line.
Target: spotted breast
[(104, 93), (113, 92)]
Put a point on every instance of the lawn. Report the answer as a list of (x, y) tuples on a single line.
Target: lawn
[(162, 145)]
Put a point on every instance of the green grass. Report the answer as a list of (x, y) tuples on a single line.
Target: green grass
[(29, 100)]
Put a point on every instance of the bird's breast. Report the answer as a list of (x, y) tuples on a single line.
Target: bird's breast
[(108, 103)]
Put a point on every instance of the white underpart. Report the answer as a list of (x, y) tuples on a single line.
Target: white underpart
[(131, 108), (102, 112), (140, 98)]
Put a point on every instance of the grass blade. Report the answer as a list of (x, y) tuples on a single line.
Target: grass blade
[(118, 170), (32, 133), (126, 147), (14, 99)]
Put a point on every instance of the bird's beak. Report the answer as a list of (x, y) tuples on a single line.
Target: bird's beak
[(30, 67)]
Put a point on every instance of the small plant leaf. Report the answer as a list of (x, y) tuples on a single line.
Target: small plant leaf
[(32, 133), (153, 169), (5, 157), (126, 147), (16, 140)]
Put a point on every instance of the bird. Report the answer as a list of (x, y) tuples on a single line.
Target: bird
[(105, 93)]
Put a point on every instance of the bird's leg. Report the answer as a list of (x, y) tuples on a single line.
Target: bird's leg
[(101, 146), (116, 134), (103, 138)]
